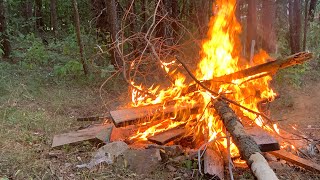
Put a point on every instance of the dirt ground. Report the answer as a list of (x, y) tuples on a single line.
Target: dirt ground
[(33, 108)]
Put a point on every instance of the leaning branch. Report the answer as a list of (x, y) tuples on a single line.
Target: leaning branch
[(249, 150)]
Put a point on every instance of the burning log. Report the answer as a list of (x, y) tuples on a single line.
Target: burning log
[(266, 68), (249, 150)]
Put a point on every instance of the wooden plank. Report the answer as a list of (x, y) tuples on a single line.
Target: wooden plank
[(95, 132), (125, 117), (167, 136), (213, 163), (282, 154), (264, 140)]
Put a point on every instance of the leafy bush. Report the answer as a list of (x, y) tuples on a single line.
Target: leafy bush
[(72, 67)]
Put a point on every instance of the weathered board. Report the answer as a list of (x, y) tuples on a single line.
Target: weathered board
[(282, 154), (264, 140), (125, 117), (101, 132), (167, 136), (213, 163)]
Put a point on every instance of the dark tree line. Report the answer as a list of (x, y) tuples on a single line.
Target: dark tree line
[(258, 18)]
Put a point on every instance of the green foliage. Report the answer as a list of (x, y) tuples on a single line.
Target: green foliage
[(72, 67), (292, 76)]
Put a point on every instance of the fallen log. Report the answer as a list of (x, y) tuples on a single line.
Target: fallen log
[(267, 68), (249, 150), (282, 154)]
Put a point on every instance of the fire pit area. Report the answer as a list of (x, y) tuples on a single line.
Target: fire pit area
[(218, 120)]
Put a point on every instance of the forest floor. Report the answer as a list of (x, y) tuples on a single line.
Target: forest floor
[(35, 106)]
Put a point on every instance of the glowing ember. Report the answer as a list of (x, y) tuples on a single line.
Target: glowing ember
[(220, 55)]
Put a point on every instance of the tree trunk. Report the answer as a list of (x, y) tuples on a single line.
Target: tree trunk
[(238, 10), (175, 15), (26, 9), (312, 9), (77, 24), (251, 25), (54, 18), (305, 25), (203, 17), (268, 26), (249, 150), (114, 29), (4, 38), (38, 15), (144, 15), (295, 25), (99, 12)]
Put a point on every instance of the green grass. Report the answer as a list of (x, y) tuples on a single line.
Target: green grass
[(34, 107)]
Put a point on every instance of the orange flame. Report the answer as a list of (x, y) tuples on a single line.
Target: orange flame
[(220, 55)]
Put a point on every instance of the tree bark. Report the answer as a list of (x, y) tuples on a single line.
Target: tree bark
[(77, 24), (249, 150), (312, 9), (4, 38), (305, 25), (114, 29), (38, 15), (268, 26), (175, 16), (144, 15), (295, 25), (54, 18), (251, 25)]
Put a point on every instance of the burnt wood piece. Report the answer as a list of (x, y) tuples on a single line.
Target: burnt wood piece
[(167, 136), (269, 67), (213, 163), (249, 149), (265, 142), (125, 117), (282, 154)]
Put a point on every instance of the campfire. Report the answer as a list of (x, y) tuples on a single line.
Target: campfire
[(223, 98), (220, 112)]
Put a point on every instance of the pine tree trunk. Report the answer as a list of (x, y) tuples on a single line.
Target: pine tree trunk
[(144, 15), (77, 24), (54, 18), (38, 15), (4, 38), (114, 29), (305, 25), (268, 25), (175, 16), (26, 9), (295, 25), (251, 25), (312, 9)]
